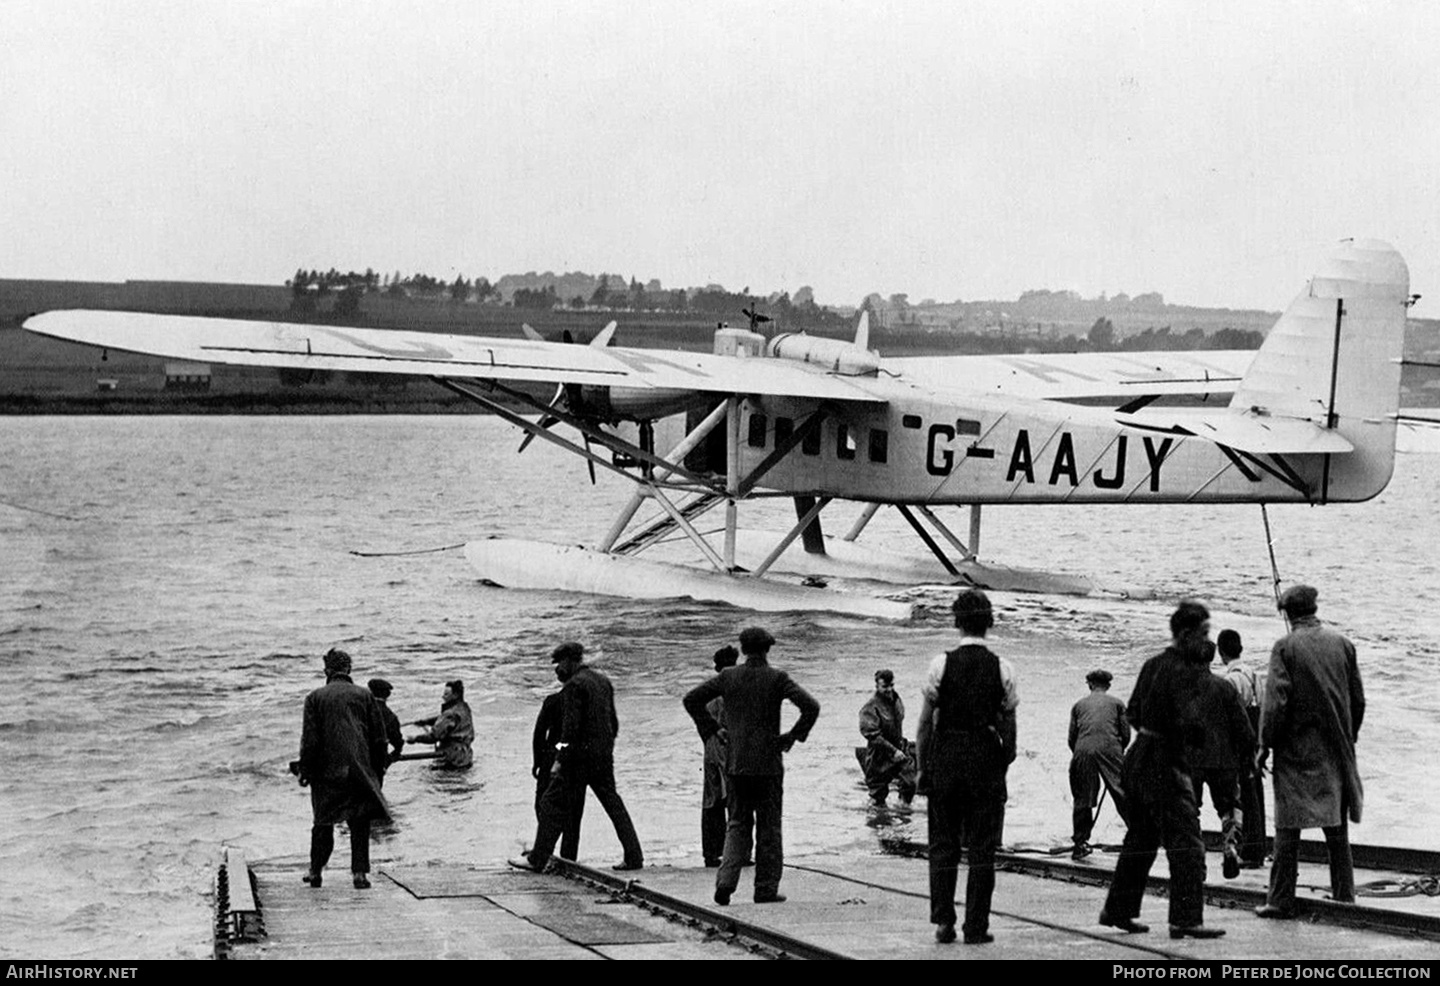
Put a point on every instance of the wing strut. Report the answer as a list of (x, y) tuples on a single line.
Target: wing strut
[(586, 428), (788, 539)]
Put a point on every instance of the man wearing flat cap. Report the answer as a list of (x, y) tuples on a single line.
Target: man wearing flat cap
[(1098, 737), (754, 768), (584, 758), (1158, 785), (381, 689), (1313, 706), (966, 742), (342, 755)]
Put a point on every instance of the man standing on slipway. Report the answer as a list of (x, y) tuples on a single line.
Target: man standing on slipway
[(754, 768), (966, 742), (342, 755), (1314, 704)]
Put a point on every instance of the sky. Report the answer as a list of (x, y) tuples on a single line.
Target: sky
[(1212, 152)]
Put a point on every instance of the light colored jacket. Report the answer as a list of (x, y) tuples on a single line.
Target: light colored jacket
[(1314, 704)]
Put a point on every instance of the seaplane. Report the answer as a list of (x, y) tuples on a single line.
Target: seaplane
[(1310, 417)]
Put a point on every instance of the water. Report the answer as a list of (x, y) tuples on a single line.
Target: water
[(170, 584)]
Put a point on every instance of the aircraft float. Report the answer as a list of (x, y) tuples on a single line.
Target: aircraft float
[(1311, 418)]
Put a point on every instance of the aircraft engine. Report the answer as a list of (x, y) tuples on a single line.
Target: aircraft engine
[(835, 355), (612, 404)]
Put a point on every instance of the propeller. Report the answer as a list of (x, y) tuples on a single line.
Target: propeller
[(755, 317), (568, 394)]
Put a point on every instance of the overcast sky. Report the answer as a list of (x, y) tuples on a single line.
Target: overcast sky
[(1209, 151)]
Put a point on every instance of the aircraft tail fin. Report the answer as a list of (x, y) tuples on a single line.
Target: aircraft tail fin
[(862, 331), (1333, 359)]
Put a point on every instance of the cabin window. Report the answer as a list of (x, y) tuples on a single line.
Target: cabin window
[(911, 421), (784, 428), (963, 427), (757, 430), (879, 445), (810, 444), (844, 444)]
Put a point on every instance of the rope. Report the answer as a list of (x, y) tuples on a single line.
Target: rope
[(36, 510), (417, 551), (1429, 886)]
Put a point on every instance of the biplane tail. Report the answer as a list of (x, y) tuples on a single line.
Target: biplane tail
[(1333, 360)]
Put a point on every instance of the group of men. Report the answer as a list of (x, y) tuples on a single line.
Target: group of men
[(349, 737), (738, 715), (1190, 727), (1220, 754)]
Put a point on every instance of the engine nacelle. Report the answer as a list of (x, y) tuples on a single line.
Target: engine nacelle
[(835, 355), (611, 404)]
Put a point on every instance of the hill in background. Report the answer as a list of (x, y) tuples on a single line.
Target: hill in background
[(40, 375)]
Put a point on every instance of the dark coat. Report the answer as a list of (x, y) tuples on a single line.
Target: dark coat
[(1221, 738), (548, 732), (753, 693), (393, 735), (342, 752), (1314, 704), (590, 722), (1163, 690), (1097, 725), (713, 794)]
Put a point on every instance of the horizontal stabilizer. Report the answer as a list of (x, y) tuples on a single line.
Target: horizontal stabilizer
[(1251, 432)]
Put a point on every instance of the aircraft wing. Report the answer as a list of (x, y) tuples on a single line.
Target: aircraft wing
[(329, 347), (1117, 377)]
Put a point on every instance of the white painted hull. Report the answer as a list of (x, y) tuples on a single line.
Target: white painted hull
[(522, 564)]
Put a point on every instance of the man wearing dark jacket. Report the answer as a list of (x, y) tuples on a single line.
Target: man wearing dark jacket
[(714, 810), (1098, 736), (585, 757), (342, 754), (549, 731), (754, 768), (1157, 783), (381, 689), (1221, 754)]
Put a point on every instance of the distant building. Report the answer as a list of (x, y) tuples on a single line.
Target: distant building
[(106, 383), (187, 376)]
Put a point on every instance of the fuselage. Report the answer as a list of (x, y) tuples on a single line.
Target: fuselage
[(990, 450)]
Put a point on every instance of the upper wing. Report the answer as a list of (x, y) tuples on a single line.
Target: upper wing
[(325, 347), (1117, 377)]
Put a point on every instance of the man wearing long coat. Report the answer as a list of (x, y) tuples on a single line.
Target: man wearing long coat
[(1314, 704), (342, 755)]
